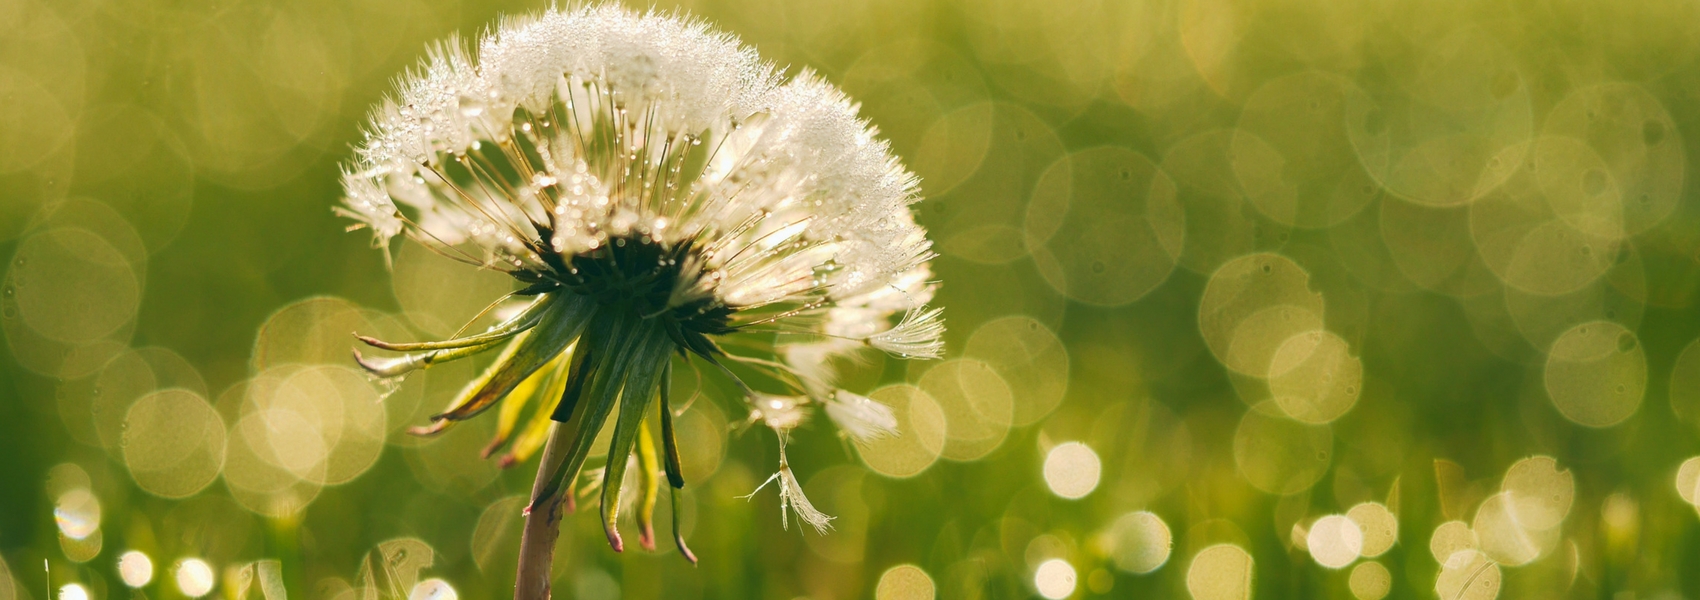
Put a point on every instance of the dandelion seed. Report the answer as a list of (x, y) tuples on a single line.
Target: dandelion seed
[(861, 417), (791, 496), (781, 413), (916, 336), (655, 188)]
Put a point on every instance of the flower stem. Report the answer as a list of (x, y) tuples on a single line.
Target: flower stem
[(542, 523)]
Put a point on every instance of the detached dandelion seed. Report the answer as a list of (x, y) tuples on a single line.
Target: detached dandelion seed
[(791, 496), (654, 187)]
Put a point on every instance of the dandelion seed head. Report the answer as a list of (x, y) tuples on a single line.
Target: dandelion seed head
[(593, 105), (644, 172)]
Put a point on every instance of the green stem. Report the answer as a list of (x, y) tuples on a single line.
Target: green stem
[(542, 521)]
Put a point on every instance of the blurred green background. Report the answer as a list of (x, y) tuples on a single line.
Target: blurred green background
[(1216, 272)]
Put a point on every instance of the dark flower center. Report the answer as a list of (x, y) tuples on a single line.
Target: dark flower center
[(645, 278)]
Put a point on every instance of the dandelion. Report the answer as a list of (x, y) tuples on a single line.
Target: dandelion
[(664, 198)]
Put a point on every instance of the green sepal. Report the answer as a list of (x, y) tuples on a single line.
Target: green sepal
[(562, 323), (590, 355), (678, 529), (638, 390), (601, 392), (540, 386), (650, 478), (439, 425), (532, 316), (564, 387), (670, 441), (407, 363)]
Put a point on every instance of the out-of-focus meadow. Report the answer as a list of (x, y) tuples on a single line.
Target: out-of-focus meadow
[(1262, 298)]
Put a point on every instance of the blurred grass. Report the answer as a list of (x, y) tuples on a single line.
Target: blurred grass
[(1374, 144)]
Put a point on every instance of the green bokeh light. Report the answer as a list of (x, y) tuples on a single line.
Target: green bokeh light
[(1266, 262)]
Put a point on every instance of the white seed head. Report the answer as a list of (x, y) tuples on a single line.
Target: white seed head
[(580, 128)]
